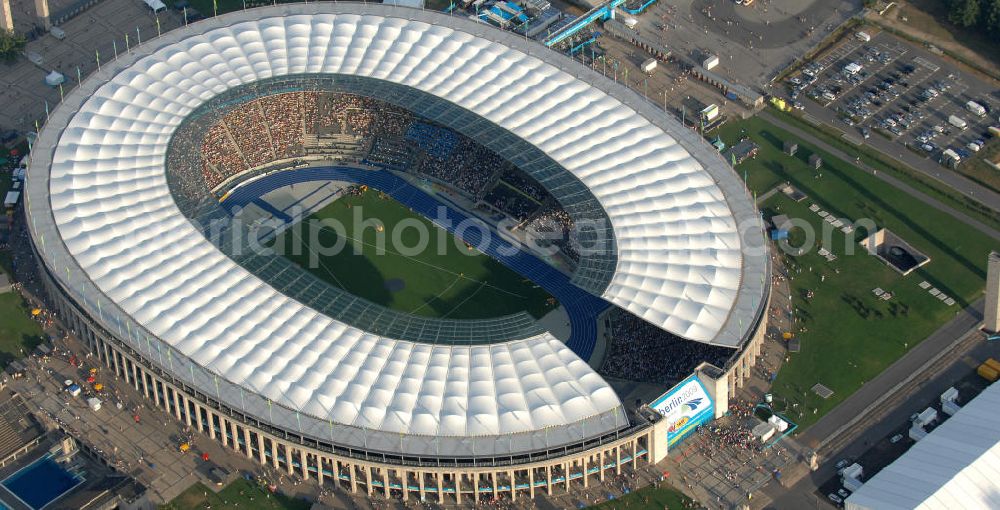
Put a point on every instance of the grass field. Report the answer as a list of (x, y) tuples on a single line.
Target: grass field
[(877, 160), (17, 330), (240, 494), (851, 336), (443, 280), (650, 498)]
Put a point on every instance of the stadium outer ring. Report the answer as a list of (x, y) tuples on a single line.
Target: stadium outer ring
[(149, 374)]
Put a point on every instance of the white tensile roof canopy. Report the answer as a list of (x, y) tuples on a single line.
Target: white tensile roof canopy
[(957, 465), (680, 263)]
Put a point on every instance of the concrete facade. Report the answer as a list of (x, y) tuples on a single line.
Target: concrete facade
[(6, 16), (425, 479), (991, 312)]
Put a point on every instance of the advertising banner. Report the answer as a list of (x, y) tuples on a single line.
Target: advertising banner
[(684, 407)]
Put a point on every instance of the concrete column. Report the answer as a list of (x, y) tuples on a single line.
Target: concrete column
[(223, 430), (135, 377), (513, 485), (246, 439), (618, 460), (288, 458), (370, 485), (42, 11), (304, 462), (420, 482), (583, 465), (274, 453), (475, 486), (531, 483), (156, 392), (260, 448), (145, 383), (403, 482), (566, 466), (385, 483), (211, 423), (458, 488), (354, 478), (548, 478), (198, 419), (114, 355), (440, 482), (991, 307), (177, 404), (6, 18), (187, 410)]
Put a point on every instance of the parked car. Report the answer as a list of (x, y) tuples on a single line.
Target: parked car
[(835, 498), (894, 439)]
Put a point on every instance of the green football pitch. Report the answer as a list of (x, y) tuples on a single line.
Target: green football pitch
[(445, 279)]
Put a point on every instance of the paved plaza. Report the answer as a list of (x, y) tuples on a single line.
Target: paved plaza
[(99, 31), (753, 42)]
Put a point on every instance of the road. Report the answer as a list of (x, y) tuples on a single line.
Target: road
[(841, 418), (898, 184), (890, 417), (926, 166)]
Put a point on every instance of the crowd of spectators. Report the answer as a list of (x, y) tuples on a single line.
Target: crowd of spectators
[(640, 351), (471, 167), (510, 201), (275, 127), (520, 180), (554, 225), (284, 114)]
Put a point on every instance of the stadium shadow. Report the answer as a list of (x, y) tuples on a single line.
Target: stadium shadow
[(363, 279)]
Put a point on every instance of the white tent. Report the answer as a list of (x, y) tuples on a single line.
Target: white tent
[(957, 465), (54, 79)]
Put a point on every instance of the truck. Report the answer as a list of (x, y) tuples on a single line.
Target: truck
[(957, 121), (863, 36), (949, 155), (648, 66), (976, 108), (710, 62)]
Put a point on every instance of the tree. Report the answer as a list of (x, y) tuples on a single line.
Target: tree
[(964, 13), (11, 45), (991, 19)]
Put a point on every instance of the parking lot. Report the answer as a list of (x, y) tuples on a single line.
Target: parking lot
[(889, 88), (753, 42)]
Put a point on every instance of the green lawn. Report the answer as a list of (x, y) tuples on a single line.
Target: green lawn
[(882, 163), (240, 494), (851, 336), (650, 498), (446, 279), (17, 329)]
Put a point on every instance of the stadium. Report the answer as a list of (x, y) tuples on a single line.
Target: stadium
[(152, 181)]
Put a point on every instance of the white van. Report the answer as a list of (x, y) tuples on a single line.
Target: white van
[(155, 5), (863, 36)]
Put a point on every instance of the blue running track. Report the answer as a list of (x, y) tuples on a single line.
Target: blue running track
[(581, 306)]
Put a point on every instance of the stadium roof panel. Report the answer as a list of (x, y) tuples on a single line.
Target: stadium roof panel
[(122, 243), (957, 465)]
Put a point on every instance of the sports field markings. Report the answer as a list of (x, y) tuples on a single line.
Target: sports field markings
[(326, 270), (438, 295), (428, 264), (459, 305)]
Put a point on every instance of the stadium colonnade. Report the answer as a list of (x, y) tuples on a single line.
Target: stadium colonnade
[(589, 435)]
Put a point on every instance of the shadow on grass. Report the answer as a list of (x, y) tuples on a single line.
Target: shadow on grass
[(878, 202)]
